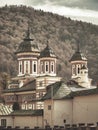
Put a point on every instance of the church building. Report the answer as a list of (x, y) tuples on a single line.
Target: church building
[(36, 70), (39, 95)]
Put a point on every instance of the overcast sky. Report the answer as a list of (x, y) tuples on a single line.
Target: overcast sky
[(85, 10)]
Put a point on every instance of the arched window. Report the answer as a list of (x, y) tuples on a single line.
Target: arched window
[(26, 67), (47, 67), (34, 67), (78, 70), (73, 69), (42, 67), (52, 67), (20, 68)]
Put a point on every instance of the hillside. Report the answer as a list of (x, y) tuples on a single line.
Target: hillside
[(62, 33)]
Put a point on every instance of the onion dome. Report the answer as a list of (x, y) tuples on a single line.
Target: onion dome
[(77, 56), (47, 52), (27, 45)]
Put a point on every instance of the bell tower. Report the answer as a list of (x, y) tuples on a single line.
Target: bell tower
[(47, 62), (27, 56), (79, 68), (77, 61)]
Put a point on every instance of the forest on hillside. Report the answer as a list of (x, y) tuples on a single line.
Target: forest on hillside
[(63, 35)]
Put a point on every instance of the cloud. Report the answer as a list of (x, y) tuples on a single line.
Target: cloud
[(11, 2), (85, 10), (74, 13), (83, 4), (35, 2)]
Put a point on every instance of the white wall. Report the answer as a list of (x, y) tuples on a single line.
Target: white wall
[(28, 121), (62, 110), (23, 121), (9, 120), (85, 109), (81, 109)]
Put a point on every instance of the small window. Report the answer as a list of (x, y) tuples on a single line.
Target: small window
[(52, 67), (47, 67), (85, 72), (73, 69), (34, 67), (20, 68), (49, 107), (26, 67), (40, 83), (42, 67), (3, 122), (78, 70)]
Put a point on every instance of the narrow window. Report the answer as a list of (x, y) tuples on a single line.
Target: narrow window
[(34, 67), (49, 107), (47, 67), (42, 67), (20, 68), (26, 67), (3, 122), (73, 69), (52, 67), (78, 70)]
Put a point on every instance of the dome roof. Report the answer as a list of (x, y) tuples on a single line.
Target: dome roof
[(27, 45), (47, 52), (78, 56)]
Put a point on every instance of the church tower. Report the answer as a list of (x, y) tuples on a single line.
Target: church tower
[(79, 69), (27, 56), (47, 62)]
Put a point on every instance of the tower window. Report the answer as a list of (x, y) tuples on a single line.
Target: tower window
[(73, 69), (42, 67), (34, 67), (20, 68), (26, 67), (47, 66), (85, 72), (78, 70), (52, 67)]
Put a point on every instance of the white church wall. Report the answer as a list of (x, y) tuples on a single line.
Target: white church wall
[(85, 109), (62, 110), (9, 120), (28, 121)]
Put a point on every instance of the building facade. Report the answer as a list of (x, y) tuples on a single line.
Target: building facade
[(36, 70), (44, 98)]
